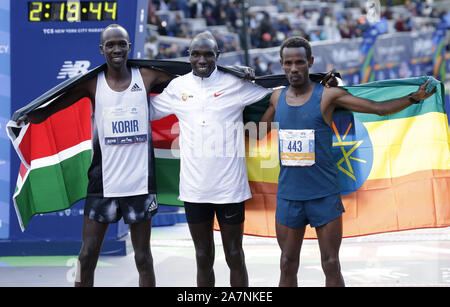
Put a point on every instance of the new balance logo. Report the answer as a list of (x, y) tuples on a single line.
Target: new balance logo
[(136, 88), (69, 69)]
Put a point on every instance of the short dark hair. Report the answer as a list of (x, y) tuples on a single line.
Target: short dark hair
[(114, 26), (296, 42), (205, 35)]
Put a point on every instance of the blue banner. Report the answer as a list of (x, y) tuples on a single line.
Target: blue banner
[(5, 113), (140, 32), (367, 50), (439, 46)]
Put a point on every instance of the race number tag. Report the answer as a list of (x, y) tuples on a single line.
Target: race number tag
[(297, 147), (125, 125)]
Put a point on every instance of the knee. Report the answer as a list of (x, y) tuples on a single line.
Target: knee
[(205, 257), (88, 257), (143, 259), (289, 262), (235, 257), (331, 265)]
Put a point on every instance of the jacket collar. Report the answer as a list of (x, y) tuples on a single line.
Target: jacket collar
[(212, 77)]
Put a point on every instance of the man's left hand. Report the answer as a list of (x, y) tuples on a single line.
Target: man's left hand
[(421, 93), (248, 71)]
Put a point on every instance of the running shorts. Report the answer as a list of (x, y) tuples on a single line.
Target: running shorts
[(230, 214), (133, 209), (315, 212)]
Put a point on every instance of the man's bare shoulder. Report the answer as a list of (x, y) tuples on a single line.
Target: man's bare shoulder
[(86, 87), (333, 93), (152, 76), (147, 70), (149, 73), (275, 96), (277, 91)]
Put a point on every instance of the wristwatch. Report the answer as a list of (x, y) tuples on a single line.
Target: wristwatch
[(412, 100)]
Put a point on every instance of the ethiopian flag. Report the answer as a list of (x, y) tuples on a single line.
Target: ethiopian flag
[(394, 171)]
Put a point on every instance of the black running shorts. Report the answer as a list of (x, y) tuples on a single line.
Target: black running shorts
[(133, 209), (231, 214)]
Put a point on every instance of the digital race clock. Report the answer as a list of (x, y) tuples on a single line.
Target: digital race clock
[(72, 11)]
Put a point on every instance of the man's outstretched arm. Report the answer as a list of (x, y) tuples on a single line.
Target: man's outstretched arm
[(337, 97), (79, 91)]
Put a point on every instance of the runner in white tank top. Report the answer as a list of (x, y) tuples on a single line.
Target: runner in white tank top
[(121, 126), (122, 179)]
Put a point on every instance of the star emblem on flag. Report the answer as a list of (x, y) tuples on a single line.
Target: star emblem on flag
[(346, 167)]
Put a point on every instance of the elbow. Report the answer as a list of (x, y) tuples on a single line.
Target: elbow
[(382, 113), (380, 110)]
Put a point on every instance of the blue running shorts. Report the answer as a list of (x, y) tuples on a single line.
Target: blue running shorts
[(315, 212)]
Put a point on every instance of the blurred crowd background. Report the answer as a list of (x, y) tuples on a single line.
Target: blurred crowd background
[(172, 23)]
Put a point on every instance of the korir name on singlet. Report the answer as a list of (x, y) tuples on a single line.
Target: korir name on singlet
[(125, 126)]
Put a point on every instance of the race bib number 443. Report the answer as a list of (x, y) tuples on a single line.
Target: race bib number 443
[(297, 147)]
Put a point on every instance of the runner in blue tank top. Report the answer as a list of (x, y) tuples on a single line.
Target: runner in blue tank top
[(308, 192)]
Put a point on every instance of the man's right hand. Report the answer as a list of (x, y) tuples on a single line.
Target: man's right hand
[(23, 119), (36, 117), (330, 80)]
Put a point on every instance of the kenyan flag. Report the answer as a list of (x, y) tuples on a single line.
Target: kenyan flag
[(56, 156)]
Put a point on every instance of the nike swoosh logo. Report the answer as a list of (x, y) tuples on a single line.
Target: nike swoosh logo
[(218, 94), (230, 216)]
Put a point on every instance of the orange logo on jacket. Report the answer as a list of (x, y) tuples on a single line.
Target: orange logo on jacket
[(185, 96)]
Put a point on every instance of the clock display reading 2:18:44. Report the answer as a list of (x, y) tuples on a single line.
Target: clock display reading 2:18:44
[(72, 11)]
